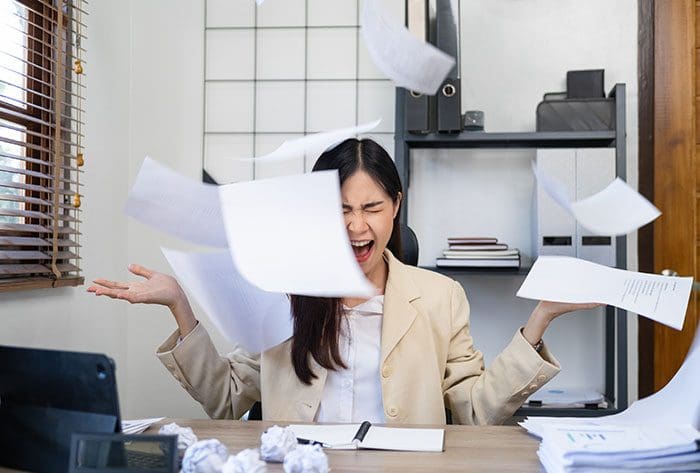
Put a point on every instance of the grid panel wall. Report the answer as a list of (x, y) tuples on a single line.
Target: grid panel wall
[(283, 69)]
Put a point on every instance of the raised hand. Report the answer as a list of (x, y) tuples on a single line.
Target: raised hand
[(155, 288), (547, 311)]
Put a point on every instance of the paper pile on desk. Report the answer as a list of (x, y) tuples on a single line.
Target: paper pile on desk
[(137, 426), (264, 226), (616, 210), (657, 433), (573, 448), (565, 279)]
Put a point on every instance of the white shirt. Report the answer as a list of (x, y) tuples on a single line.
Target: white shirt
[(354, 394)]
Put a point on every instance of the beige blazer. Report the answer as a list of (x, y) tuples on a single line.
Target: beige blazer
[(428, 363)]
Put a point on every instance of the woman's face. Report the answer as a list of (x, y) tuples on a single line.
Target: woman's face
[(369, 217)]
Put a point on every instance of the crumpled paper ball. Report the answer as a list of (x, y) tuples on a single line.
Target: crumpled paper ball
[(306, 459), (247, 461), (185, 435), (276, 442), (205, 456)]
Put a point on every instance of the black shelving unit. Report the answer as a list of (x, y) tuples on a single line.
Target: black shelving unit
[(615, 319)]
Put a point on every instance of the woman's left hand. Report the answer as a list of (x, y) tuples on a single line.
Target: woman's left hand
[(547, 311)]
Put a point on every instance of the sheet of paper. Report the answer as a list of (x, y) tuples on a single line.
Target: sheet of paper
[(404, 439), (288, 235), (243, 313), (313, 145), (565, 279), (175, 204), (405, 59), (616, 210), (677, 403)]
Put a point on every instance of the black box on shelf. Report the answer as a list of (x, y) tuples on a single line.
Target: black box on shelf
[(576, 115), (589, 84)]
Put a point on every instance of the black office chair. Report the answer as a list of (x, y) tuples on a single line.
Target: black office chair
[(255, 412), (409, 243)]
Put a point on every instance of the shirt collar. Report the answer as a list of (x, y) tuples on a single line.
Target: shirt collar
[(372, 306)]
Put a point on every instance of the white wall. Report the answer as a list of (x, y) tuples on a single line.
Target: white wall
[(145, 76), (166, 124), (69, 318)]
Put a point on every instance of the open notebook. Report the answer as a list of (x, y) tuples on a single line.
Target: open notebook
[(340, 437)]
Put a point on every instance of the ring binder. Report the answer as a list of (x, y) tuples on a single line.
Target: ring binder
[(417, 105), (449, 98)]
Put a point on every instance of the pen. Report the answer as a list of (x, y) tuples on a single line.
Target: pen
[(361, 432), (356, 440), (303, 441)]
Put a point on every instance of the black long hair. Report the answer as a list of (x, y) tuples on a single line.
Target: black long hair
[(317, 320)]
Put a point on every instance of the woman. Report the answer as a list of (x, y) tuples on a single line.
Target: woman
[(404, 356)]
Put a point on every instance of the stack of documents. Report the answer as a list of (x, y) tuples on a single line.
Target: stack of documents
[(139, 425), (478, 252), (657, 433), (572, 448)]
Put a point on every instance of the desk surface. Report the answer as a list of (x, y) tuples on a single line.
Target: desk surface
[(467, 449)]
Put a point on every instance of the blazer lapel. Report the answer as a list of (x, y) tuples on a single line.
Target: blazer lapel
[(399, 312)]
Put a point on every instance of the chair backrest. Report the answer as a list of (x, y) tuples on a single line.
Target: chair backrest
[(409, 242), (255, 412)]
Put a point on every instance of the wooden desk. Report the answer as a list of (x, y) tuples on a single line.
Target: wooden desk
[(499, 449), (467, 449)]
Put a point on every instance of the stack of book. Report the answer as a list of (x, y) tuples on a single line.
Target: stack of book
[(478, 252)]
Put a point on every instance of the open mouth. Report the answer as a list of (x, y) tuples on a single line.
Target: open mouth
[(362, 249)]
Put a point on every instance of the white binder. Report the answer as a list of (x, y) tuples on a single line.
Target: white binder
[(595, 169), (556, 228)]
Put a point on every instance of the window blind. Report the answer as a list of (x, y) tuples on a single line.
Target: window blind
[(41, 137)]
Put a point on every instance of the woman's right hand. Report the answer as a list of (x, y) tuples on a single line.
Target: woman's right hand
[(156, 288)]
